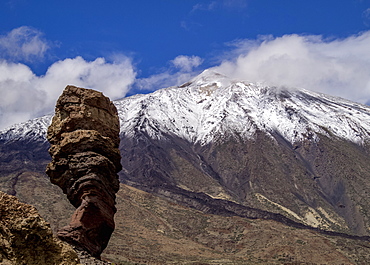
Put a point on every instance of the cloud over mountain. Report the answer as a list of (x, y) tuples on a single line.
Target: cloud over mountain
[(181, 69), (333, 66), (186, 63), (26, 95)]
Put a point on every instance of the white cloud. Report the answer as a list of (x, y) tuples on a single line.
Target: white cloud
[(23, 43), (182, 69), (25, 95), (113, 79), (18, 96), (339, 66), (162, 80), (186, 63)]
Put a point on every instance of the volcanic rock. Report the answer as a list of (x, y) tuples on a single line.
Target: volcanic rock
[(23, 232), (84, 138)]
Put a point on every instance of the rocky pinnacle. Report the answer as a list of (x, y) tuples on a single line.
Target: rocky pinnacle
[(84, 138)]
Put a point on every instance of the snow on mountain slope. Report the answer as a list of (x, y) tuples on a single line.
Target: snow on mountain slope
[(212, 106), (34, 129)]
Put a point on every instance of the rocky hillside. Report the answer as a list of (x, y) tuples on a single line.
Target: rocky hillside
[(151, 230)]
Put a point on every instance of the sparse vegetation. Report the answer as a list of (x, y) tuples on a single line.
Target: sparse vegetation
[(191, 237)]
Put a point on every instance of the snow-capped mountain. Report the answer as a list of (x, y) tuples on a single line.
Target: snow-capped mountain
[(212, 105), (33, 129), (290, 151)]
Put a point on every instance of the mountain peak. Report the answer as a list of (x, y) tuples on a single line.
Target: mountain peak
[(212, 106), (209, 76), (208, 80)]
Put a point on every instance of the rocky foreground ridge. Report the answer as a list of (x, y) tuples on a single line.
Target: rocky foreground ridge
[(27, 239)]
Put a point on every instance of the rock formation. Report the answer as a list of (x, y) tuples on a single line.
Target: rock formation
[(24, 233), (84, 138)]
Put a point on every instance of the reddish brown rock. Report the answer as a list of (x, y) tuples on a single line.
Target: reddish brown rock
[(84, 138)]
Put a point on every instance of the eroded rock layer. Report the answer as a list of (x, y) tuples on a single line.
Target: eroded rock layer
[(84, 138)]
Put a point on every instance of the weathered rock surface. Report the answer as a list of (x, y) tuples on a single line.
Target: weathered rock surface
[(26, 238), (84, 138), (87, 259)]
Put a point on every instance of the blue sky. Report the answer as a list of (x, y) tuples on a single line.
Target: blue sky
[(127, 47)]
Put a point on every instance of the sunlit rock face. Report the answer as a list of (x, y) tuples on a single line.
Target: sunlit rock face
[(23, 232), (84, 138)]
